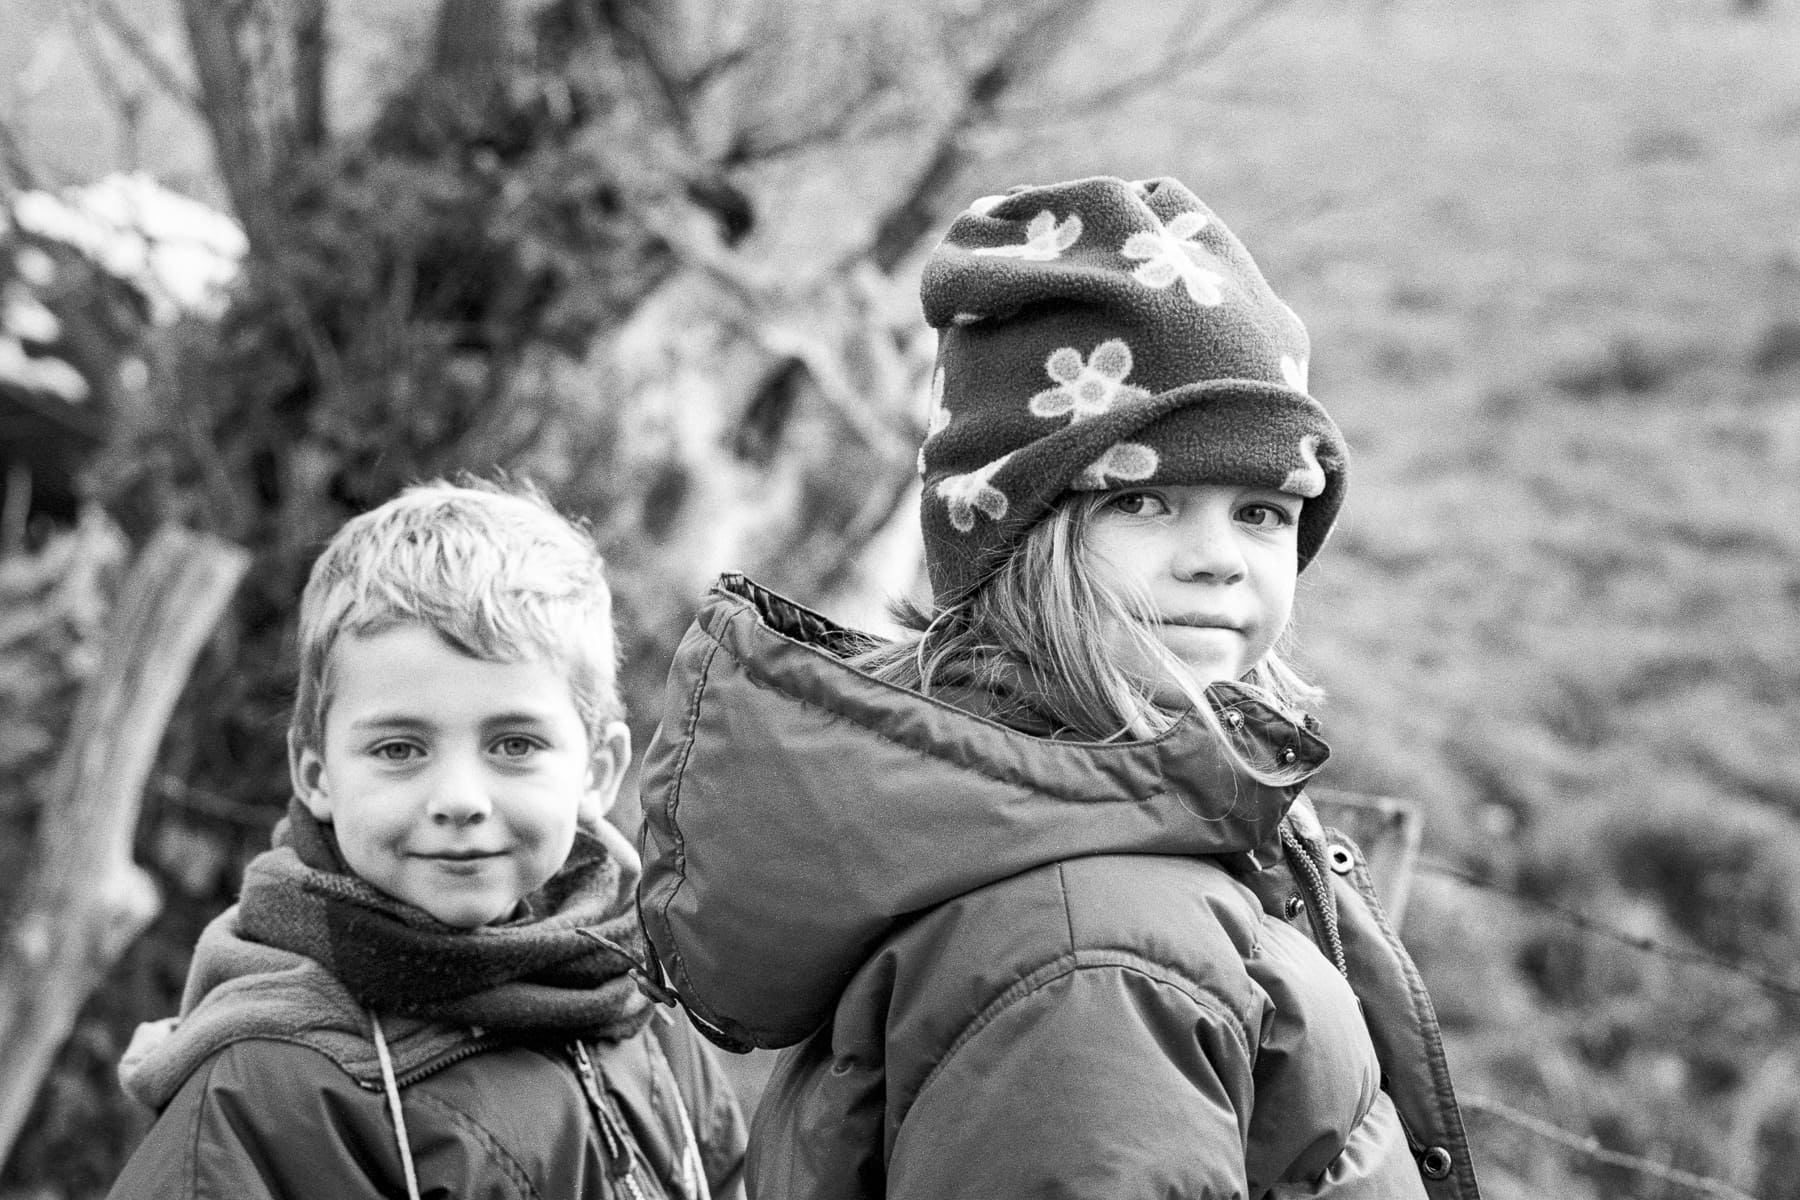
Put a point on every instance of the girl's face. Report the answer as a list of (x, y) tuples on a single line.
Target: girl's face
[(1216, 562)]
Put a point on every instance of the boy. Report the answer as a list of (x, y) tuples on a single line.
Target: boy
[(428, 987)]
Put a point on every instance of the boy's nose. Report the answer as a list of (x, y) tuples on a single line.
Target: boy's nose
[(458, 798)]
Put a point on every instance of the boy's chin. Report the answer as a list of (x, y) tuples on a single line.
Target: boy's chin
[(472, 912)]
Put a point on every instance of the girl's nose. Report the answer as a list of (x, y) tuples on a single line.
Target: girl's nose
[(1206, 548), (458, 797)]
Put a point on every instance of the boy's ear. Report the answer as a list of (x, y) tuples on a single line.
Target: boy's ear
[(307, 770), (606, 771)]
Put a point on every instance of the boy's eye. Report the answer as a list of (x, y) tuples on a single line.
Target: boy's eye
[(395, 752)]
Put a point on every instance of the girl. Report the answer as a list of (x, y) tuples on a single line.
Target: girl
[(1032, 892)]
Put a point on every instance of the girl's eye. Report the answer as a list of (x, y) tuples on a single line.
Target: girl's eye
[(1265, 516), (516, 746), (1137, 504)]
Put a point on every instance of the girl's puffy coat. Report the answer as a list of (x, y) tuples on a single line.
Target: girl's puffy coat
[(1018, 966)]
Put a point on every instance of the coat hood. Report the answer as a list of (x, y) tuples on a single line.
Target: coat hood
[(796, 810)]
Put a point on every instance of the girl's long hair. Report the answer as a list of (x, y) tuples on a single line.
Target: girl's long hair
[(1044, 619)]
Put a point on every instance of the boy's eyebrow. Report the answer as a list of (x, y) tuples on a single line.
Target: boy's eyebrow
[(406, 721), (523, 716), (390, 721)]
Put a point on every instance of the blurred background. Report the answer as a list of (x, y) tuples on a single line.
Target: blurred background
[(263, 263)]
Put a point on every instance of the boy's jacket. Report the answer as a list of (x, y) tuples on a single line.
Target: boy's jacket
[(1010, 965), (270, 1084)]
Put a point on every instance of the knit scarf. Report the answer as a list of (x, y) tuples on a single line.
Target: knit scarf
[(309, 948)]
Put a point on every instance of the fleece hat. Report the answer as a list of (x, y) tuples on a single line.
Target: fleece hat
[(1100, 334)]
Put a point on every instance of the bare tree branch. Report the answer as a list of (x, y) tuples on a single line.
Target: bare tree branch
[(127, 102), (20, 175), (704, 75), (833, 128), (312, 125), (1038, 39), (644, 30), (105, 13), (1204, 46)]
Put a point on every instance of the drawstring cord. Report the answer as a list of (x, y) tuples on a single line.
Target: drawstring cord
[(636, 970), (693, 1171), (392, 1086)]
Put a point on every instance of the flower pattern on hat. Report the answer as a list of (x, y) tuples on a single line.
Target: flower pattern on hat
[(1293, 372), (1124, 461), (1308, 479), (1170, 253), (1087, 389), (971, 493), (1045, 239)]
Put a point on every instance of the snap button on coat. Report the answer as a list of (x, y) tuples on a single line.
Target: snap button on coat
[(1435, 1163)]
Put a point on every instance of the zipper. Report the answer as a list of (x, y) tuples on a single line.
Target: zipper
[(451, 1058), (431, 1067), (1318, 897), (621, 1166)]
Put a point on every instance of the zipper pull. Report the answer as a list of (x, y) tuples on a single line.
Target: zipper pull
[(621, 1168), (616, 1151)]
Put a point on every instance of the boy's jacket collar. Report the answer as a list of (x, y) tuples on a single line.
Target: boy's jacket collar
[(309, 950), (797, 810)]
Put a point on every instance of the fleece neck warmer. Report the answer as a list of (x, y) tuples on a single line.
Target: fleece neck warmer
[(310, 949)]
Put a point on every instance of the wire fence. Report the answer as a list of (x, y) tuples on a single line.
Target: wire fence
[(1590, 1147), (1759, 976), (1585, 1145)]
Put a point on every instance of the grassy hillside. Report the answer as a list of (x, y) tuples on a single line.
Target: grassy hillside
[(1550, 257)]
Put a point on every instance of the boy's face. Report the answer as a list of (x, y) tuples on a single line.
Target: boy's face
[(453, 783)]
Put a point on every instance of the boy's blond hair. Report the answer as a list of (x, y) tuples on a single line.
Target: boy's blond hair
[(491, 568)]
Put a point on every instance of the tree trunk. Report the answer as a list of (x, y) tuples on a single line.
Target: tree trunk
[(260, 65), (471, 45), (312, 123), (84, 899)]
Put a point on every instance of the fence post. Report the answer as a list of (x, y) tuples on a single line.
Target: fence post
[(1387, 830), (84, 900)]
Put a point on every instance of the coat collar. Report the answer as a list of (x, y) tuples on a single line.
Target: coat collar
[(797, 810)]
